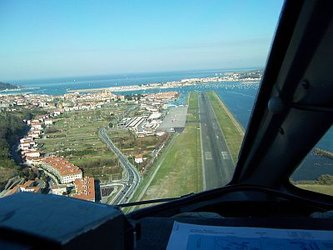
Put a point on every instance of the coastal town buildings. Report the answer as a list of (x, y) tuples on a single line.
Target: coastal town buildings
[(58, 189), (152, 107), (70, 179), (65, 171), (32, 153), (28, 186), (152, 114), (28, 144), (85, 189)]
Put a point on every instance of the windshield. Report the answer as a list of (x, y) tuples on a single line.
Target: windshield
[(128, 101)]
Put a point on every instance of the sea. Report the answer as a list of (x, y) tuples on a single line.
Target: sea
[(239, 98)]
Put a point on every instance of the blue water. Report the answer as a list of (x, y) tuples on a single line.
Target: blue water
[(238, 97), (60, 86)]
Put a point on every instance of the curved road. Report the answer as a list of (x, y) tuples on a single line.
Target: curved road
[(132, 177)]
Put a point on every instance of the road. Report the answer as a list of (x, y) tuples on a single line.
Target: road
[(217, 164), (131, 178)]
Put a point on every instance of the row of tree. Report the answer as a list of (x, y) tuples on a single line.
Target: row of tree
[(12, 128)]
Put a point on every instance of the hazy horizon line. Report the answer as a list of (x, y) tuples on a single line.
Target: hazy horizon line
[(127, 73)]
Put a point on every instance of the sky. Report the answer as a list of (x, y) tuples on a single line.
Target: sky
[(59, 38)]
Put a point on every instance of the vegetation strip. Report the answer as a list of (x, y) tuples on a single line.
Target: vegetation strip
[(232, 130), (150, 175), (180, 171), (12, 128), (319, 188)]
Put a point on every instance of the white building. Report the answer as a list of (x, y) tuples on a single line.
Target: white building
[(154, 115), (32, 154), (36, 125), (138, 159), (59, 189), (48, 122)]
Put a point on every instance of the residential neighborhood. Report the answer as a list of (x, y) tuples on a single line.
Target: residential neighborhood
[(145, 114)]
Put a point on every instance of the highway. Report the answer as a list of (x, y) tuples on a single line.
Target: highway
[(217, 164), (131, 177)]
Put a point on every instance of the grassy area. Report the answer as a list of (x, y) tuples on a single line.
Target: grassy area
[(231, 129), (149, 174), (75, 136), (319, 188), (323, 184), (180, 171), (130, 144)]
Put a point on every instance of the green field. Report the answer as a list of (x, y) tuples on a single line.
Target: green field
[(232, 130), (319, 188), (130, 144), (74, 135), (180, 170), (323, 184), (151, 172)]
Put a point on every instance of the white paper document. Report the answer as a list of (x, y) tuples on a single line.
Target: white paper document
[(198, 237)]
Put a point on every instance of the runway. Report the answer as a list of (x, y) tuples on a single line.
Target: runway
[(217, 164)]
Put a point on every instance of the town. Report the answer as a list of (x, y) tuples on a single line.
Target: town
[(147, 115), (99, 144), (249, 77)]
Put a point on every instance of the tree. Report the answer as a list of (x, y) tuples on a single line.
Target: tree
[(128, 97)]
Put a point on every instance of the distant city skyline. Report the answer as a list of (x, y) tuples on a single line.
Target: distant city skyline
[(50, 39)]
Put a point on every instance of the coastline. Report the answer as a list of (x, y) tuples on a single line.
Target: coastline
[(122, 88), (233, 131), (170, 85), (323, 153), (237, 125), (132, 84)]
